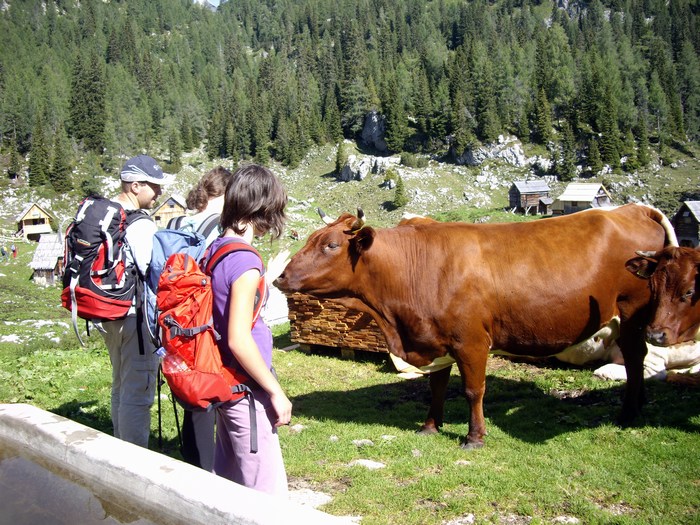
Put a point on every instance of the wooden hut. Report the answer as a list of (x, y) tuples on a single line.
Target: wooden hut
[(530, 196), (316, 322), (686, 222), (47, 262), (173, 206), (33, 221), (580, 196)]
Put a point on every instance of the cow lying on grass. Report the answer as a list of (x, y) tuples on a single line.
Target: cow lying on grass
[(674, 279), (534, 288)]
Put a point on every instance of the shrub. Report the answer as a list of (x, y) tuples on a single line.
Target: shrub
[(413, 161)]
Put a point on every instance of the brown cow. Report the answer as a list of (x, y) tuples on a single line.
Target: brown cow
[(461, 289), (674, 275)]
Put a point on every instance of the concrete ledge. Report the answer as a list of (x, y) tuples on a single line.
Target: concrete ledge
[(163, 489)]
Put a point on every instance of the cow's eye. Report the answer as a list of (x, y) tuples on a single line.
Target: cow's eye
[(332, 245), (687, 296)]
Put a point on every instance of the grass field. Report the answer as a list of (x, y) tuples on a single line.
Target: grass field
[(553, 454)]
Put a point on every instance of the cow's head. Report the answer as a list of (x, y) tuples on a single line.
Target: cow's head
[(325, 266), (674, 278)]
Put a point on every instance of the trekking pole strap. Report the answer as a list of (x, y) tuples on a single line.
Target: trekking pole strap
[(251, 410)]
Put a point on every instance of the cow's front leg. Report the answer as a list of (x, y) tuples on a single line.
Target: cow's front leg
[(438, 391), (634, 349)]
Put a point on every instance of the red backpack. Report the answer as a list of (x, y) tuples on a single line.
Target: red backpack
[(97, 284), (192, 363)]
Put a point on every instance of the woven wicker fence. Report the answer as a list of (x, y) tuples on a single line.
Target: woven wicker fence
[(315, 321)]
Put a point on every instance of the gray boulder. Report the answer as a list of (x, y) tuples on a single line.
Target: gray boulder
[(373, 131), (507, 149)]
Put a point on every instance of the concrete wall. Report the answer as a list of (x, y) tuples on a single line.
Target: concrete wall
[(159, 488)]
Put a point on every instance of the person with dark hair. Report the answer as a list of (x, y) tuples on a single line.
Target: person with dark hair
[(254, 205), (207, 199), (208, 194)]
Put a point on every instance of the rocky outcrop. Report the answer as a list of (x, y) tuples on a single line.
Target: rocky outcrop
[(373, 131), (506, 149), (357, 168)]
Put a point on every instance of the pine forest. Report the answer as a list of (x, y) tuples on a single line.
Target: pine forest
[(593, 82)]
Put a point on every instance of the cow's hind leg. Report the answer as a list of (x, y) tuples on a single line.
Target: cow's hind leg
[(438, 391), (473, 374)]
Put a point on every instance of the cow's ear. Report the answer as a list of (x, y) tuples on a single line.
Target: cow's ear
[(363, 239), (642, 267)]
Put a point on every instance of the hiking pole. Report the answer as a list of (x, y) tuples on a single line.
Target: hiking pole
[(177, 421), (159, 383)]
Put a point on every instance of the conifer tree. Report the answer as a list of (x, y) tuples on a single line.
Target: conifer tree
[(188, 142), (60, 172), (689, 88), (174, 146), (658, 104), (462, 124), (215, 145), (283, 142), (331, 118), (260, 142), (87, 105), (400, 197), (396, 119), (523, 125), (643, 157), (230, 140), (15, 165), (39, 155), (629, 150), (439, 120), (543, 118), (315, 125), (595, 163), (341, 158), (488, 125), (566, 167), (610, 138), (421, 100)]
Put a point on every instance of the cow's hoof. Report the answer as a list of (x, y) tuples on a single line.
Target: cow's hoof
[(629, 418), (471, 445), (629, 422), (426, 431)]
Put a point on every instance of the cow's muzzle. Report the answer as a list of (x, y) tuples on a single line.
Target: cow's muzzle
[(657, 337)]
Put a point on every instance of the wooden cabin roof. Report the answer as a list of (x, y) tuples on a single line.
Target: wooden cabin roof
[(693, 207), (170, 201), (531, 186), (582, 192), (28, 208), (48, 251)]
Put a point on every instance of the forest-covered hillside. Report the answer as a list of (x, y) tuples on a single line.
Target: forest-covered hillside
[(594, 83)]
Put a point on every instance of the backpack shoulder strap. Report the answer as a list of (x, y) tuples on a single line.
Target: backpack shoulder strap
[(234, 245), (226, 247), (134, 215), (208, 225), (175, 223)]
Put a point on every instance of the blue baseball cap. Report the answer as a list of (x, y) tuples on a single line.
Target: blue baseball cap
[(143, 168)]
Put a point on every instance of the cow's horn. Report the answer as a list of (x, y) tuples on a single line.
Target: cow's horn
[(360, 222), (642, 253), (323, 216)]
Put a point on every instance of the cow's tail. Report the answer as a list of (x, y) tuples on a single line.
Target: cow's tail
[(660, 217)]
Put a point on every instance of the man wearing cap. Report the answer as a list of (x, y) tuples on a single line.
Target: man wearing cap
[(131, 352)]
